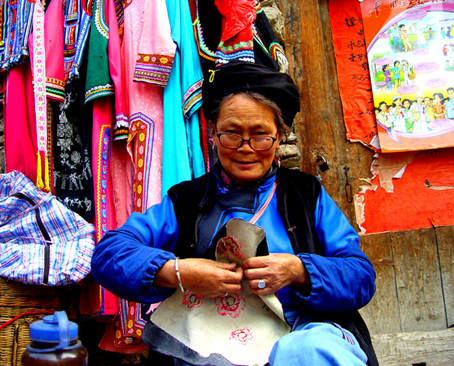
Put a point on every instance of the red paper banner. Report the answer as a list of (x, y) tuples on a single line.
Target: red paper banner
[(353, 71)]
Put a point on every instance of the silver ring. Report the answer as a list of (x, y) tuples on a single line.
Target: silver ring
[(226, 294), (261, 284)]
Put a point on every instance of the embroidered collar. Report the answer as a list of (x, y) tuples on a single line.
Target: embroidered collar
[(227, 183)]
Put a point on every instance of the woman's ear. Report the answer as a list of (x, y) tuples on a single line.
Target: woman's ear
[(280, 137), (212, 127)]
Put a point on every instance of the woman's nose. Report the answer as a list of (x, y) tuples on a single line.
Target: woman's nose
[(246, 146)]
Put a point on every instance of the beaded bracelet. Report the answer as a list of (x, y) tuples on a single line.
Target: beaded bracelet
[(178, 275)]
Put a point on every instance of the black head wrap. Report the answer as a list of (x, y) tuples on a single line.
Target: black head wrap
[(237, 77)]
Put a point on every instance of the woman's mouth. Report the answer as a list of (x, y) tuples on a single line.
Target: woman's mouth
[(245, 163)]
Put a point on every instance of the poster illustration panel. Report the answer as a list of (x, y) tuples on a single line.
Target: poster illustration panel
[(410, 48)]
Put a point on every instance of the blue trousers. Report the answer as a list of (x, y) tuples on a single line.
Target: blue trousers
[(321, 344), (315, 344)]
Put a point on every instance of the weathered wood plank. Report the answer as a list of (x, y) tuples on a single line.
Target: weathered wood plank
[(320, 126), (382, 313), (445, 241), (418, 279), (406, 349)]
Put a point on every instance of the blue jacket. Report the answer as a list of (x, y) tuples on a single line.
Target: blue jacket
[(301, 213)]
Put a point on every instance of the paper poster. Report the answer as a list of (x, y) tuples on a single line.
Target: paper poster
[(410, 48), (410, 190), (353, 71)]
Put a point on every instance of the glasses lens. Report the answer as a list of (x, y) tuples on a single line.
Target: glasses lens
[(230, 140), (262, 143)]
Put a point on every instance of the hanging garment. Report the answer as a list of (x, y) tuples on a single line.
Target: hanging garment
[(68, 126), (20, 125), (215, 23), (72, 168), (28, 117), (182, 154), (77, 21), (236, 41), (99, 91), (148, 51), (16, 19), (54, 52)]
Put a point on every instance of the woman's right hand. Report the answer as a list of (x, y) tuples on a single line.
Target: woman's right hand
[(204, 277)]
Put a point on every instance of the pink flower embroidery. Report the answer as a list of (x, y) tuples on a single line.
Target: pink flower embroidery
[(243, 336), (192, 300), (231, 305), (229, 244)]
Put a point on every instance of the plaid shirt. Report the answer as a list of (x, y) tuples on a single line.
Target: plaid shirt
[(41, 240)]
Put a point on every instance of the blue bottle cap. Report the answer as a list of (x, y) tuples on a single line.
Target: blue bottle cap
[(54, 328)]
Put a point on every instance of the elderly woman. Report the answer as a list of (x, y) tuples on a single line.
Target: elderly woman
[(312, 260)]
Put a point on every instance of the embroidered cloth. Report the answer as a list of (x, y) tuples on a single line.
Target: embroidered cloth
[(246, 325)]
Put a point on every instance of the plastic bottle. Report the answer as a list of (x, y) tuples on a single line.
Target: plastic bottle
[(54, 342)]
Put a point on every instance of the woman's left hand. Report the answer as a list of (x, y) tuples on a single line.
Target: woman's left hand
[(276, 270)]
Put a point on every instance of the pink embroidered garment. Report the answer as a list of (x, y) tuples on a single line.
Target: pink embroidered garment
[(148, 52)]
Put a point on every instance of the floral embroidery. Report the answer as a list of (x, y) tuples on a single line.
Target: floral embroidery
[(231, 305), (227, 245), (153, 69), (192, 300), (243, 336)]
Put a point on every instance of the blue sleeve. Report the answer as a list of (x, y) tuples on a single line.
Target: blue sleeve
[(343, 279), (126, 259)]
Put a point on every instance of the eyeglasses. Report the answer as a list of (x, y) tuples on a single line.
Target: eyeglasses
[(234, 141)]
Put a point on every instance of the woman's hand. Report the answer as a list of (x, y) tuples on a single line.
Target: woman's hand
[(204, 277), (277, 270)]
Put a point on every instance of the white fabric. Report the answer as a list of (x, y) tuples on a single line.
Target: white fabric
[(241, 327)]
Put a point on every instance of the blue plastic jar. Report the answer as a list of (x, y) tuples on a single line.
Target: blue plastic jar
[(54, 342)]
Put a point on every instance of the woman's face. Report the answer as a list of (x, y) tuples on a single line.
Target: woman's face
[(248, 118)]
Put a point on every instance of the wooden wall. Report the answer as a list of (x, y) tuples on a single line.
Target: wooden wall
[(415, 269)]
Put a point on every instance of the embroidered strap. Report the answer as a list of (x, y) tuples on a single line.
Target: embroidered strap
[(265, 205), (39, 75)]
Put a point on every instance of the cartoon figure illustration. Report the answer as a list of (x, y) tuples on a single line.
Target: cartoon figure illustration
[(383, 114), (421, 39), (396, 74), (428, 102), (396, 115), (387, 77), (404, 38), (445, 50), (419, 111), (408, 73), (449, 65), (443, 32), (451, 50), (438, 107), (408, 115), (449, 103), (395, 35)]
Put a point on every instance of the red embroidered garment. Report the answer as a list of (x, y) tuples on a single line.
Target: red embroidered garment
[(236, 35)]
